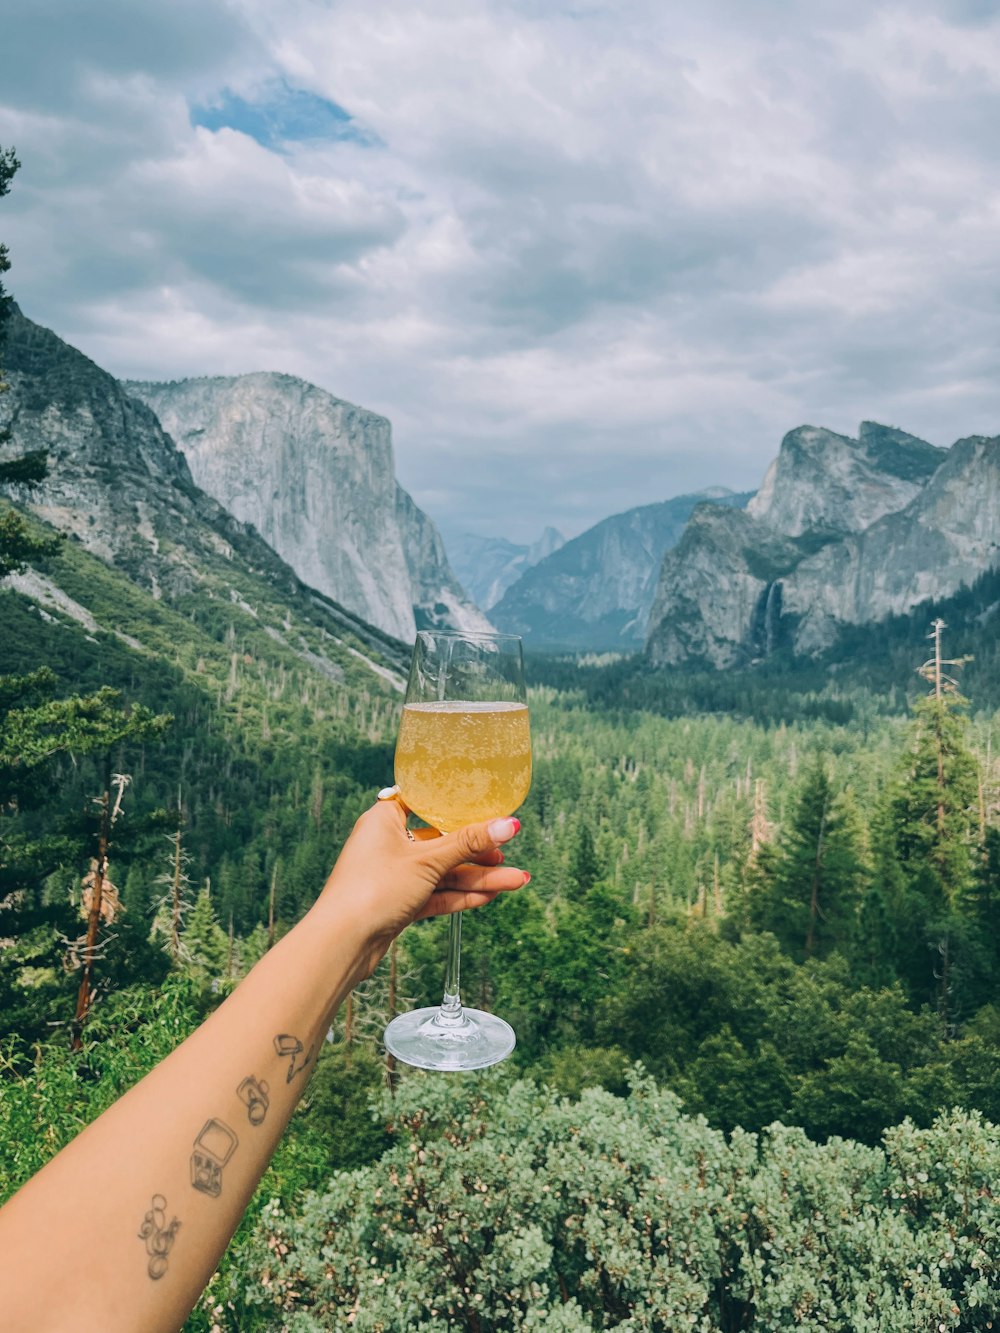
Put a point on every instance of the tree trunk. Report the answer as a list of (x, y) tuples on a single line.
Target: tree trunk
[(270, 906), (85, 994), (176, 904), (814, 890)]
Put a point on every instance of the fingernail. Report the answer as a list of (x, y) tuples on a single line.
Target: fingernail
[(527, 877), (502, 830)]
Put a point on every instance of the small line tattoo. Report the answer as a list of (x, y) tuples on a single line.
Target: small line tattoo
[(158, 1236), (253, 1092), (212, 1150), (287, 1045)]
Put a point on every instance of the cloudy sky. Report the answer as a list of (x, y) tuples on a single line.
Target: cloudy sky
[(585, 254)]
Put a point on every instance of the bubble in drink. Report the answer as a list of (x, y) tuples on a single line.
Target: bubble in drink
[(459, 762)]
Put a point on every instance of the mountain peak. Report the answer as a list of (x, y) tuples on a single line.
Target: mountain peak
[(829, 483), (842, 531), (316, 476), (596, 591)]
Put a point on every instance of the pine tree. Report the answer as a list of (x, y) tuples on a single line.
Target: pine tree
[(934, 814), (584, 869), (206, 945), (35, 730), (937, 796), (811, 889)]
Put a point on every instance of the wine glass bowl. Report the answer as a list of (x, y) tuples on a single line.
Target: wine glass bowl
[(463, 755), (462, 761)]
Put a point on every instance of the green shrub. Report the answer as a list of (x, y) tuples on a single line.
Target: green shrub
[(506, 1207)]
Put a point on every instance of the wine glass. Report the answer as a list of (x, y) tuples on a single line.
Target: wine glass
[(463, 755)]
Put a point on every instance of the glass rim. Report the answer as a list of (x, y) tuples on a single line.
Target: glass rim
[(468, 634)]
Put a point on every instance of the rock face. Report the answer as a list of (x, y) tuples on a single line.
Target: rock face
[(842, 532), (712, 603), (823, 483), (596, 592), (947, 536), (316, 477), (119, 485), (488, 566), (439, 601)]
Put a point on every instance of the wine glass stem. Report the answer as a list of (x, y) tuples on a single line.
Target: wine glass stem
[(451, 1005)]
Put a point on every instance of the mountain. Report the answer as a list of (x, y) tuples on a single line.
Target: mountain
[(122, 493), (825, 483), (316, 477), (843, 532), (943, 540), (597, 590), (488, 566)]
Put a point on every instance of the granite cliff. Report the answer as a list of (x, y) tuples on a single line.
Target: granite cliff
[(597, 590), (316, 477), (842, 532), (118, 485), (488, 566)]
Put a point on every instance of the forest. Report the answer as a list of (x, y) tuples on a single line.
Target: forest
[(754, 979), (777, 938)]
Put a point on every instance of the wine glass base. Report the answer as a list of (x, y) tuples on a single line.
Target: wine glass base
[(476, 1041)]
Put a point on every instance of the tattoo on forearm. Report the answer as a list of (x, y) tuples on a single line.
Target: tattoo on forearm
[(254, 1092), (158, 1236), (287, 1045), (212, 1150)]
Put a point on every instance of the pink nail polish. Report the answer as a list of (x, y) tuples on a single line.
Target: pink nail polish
[(527, 877)]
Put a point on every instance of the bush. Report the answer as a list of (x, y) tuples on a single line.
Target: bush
[(506, 1207)]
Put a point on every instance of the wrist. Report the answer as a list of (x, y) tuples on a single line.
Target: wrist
[(346, 935)]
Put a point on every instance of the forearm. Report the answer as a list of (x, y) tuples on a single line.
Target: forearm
[(124, 1227)]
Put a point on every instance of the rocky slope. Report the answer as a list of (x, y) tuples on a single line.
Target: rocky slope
[(488, 566), (842, 532), (596, 592), (316, 477), (119, 487), (946, 537), (825, 483)]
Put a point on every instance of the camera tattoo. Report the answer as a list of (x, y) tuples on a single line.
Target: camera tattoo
[(253, 1092), (158, 1236), (287, 1045), (212, 1150)]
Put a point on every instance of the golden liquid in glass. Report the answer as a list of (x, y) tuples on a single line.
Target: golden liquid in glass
[(459, 762)]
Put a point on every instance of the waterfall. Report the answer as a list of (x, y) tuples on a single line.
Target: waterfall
[(772, 614)]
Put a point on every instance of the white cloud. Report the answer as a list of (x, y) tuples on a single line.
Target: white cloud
[(583, 257)]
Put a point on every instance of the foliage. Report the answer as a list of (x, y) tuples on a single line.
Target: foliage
[(48, 1093), (766, 886), (507, 1207)]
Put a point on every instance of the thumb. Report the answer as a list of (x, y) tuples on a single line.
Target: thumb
[(466, 844)]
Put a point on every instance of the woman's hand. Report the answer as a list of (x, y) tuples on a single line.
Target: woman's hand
[(386, 879)]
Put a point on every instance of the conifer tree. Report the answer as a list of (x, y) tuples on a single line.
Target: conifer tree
[(936, 799), (811, 888), (206, 945), (35, 731), (934, 814)]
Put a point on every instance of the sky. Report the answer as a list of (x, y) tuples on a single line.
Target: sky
[(583, 255)]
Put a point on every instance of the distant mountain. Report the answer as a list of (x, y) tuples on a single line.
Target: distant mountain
[(842, 532), (120, 489), (597, 590), (488, 566), (316, 477)]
